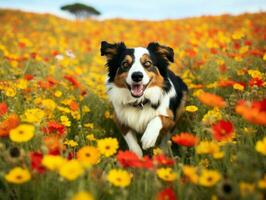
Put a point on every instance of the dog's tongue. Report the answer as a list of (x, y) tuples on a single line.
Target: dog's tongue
[(137, 90)]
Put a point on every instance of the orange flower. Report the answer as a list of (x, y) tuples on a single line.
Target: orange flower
[(10, 123), (185, 139), (211, 100), (254, 112), (3, 108)]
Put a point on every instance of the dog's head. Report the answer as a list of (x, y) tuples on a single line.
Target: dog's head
[(137, 68)]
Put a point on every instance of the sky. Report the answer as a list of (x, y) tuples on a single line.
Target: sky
[(143, 9)]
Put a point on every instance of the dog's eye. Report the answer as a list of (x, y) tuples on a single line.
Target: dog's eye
[(125, 64), (147, 64)]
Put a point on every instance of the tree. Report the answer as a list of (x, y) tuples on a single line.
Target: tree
[(80, 10)]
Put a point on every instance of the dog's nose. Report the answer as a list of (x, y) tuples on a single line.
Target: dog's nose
[(137, 76)]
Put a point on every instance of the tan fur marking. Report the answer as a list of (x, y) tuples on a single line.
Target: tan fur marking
[(167, 121), (128, 59), (157, 79), (119, 80), (145, 58)]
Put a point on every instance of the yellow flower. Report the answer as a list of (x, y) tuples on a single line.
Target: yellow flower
[(107, 146), (10, 92), (71, 143), (53, 162), (246, 188), (255, 73), (209, 178), (262, 183), (22, 133), (88, 155), (238, 86), (82, 195), (212, 116), (85, 109), (18, 175), (261, 146), (65, 121), (107, 115), (192, 173), (166, 174), (90, 137), (58, 93), (34, 115), (119, 177), (209, 147), (48, 104), (71, 170), (191, 108), (89, 125), (22, 84)]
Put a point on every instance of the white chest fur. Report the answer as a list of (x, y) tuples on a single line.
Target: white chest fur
[(134, 117)]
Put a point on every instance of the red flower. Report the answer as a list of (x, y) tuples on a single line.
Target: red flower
[(166, 194), (185, 139), (74, 106), (222, 130), (36, 162), (28, 77), (72, 80), (3, 109), (54, 127), (10, 123), (163, 160), (130, 159), (256, 81)]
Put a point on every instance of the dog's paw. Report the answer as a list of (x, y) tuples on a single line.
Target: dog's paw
[(149, 138)]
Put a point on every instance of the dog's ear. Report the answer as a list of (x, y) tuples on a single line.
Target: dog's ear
[(167, 53), (111, 50)]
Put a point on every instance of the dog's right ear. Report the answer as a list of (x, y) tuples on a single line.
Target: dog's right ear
[(111, 50)]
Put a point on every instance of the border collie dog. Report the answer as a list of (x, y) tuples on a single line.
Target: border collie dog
[(147, 97)]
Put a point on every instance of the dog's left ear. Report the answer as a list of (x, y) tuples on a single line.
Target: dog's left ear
[(111, 50), (166, 52)]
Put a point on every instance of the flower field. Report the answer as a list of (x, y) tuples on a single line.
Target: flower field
[(58, 139)]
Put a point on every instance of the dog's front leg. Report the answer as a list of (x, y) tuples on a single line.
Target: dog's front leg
[(133, 143), (151, 133)]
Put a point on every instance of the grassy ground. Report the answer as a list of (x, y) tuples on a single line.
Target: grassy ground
[(57, 135)]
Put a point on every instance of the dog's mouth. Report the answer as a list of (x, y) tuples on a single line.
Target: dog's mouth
[(137, 89)]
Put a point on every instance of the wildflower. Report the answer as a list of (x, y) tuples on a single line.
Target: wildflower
[(255, 73), (212, 116), (53, 144), (262, 182), (90, 137), (211, 100), (166, 194), (191, 108), (107, 146), (209, 178), (254, 112), (238, 86), (82, 195), (88, 155), (11, 122), (71, 143), (65, 121), (72, 80), (22, 84), (86, 109), (34, 115), (18, 175), (36, 162), (246, 188), (53, 162), (119, 177), (222, 130), (58, 93), (163, 160), (191, 173), (89, 125), (10, 92), (256, 81), (128, 159), (212, 148), (74, 106), (261, 146), (48, 104), (22, 133), (3, 108), (185, 139), (54, 127), (107, 115), (166, 174), (71, 170)]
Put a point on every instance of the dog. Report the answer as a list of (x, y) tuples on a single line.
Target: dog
[(147, 97)]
